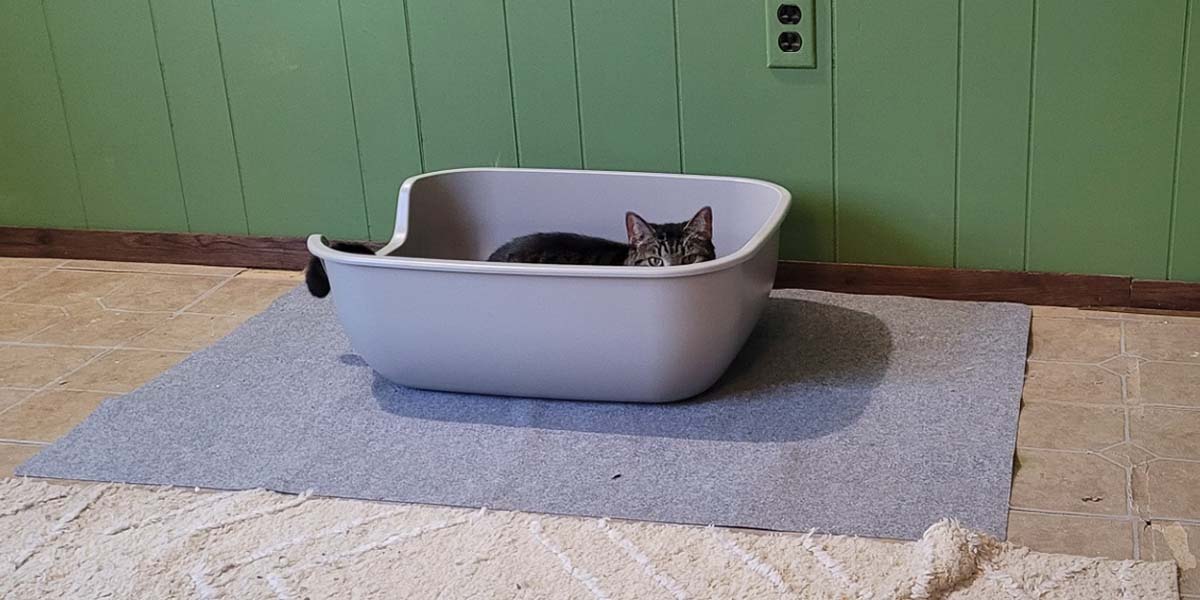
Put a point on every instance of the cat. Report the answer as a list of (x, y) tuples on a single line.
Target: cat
[(648, 245), (315, 277)]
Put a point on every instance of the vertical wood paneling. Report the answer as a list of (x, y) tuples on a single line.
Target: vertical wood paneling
[(1106, 94), (541, 41), (629, 100), (896, 80), (385, 111), (292, 116), (113, 93), (460, 70), (199, 110), (741, 118), (38, 183), (1185, 238), (993, 136), (916, 144)]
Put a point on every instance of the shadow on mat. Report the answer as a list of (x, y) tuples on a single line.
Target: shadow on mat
[(807, 371)]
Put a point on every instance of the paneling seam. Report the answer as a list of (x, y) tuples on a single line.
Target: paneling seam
[(362, 177), (833, 129), (237, 157), (162, 78), (1029, 135), (678, 82), (1174, 213), (62, 101), (412, 78), (575, 64), (578, 95), (958, 136), (512, 90)]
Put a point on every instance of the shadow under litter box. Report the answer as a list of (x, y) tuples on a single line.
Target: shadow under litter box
[(765, 396)]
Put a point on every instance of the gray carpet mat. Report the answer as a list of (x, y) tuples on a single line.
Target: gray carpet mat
[(868, 415)]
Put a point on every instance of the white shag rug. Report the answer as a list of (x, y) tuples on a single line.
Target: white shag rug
[(92, 541)]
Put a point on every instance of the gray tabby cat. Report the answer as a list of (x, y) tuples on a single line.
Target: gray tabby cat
[(649, 245)]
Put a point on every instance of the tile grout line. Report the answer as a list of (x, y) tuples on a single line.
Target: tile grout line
[(22, 442), (150, 271), (1164, 361), (123, 345), (1068, 513), (153, 349), (63, 266), (93, 391), (1068, 362), (1191, 522), (66, 314), (135, 311), (57, 267), (1096, 453), (1167, 406), (1077, 404), (182, 310), (1129, 502), (55, 380), (1124, 317), (61, 262), (69, 315), (1141, 359), (120, 347), (1099, 453), (27, 283), (41, 345), (1130, 505), (28, 393)]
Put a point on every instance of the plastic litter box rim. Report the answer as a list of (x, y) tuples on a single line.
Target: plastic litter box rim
[(319, 247)]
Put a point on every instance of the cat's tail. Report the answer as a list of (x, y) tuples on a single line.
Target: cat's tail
[(315, 276)]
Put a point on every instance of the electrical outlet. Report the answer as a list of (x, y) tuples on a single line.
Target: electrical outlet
[(791, 34)]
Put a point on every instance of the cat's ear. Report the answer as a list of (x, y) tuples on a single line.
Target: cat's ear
[(701, 224), (637, 228)]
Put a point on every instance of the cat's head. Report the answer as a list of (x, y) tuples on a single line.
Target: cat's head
[(666, 244)]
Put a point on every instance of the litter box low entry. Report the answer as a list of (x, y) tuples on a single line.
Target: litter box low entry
[(429, 312)]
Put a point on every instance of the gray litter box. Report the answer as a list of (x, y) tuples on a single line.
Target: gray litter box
[(429, 312)]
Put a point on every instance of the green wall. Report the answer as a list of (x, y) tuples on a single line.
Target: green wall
[(1059, 135)]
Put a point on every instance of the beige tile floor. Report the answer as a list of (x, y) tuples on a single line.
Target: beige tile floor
[(1108, 443)]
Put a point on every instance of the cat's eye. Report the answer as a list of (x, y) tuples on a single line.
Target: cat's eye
[(654, 261), (691, 258)]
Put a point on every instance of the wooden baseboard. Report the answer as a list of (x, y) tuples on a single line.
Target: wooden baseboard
[(1165, 295), (1055, 289), (134, 246)]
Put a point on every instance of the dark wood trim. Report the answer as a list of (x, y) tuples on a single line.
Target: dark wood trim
[(1165, 295), (182, 248), (930, 282), (957, 284)]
